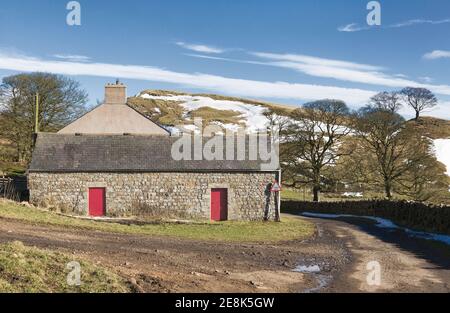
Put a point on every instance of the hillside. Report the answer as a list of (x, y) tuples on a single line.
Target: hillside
[(432, 127), (171, 108), (439, 131)]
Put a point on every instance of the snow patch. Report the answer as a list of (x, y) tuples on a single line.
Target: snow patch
[(254, 119), (192, 128), (252, 115), (385, 223), (307, 269), (353, 194), (442, 151), (172, 130)]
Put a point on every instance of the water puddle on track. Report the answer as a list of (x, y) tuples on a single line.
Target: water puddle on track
[(322, 279)]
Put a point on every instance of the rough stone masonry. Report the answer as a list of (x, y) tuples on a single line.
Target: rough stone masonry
[(114, 161), (170, 194)]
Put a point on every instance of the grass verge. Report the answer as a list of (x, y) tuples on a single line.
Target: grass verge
[(289, 229), (31, 270)]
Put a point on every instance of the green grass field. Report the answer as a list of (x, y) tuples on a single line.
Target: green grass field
[(300, 195), (33, 270), (289, 229)]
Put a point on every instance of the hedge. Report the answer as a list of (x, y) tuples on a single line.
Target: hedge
[(418, 216)]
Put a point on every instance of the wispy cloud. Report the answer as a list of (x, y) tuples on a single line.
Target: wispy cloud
[(437, 54), (210, 57), (336, 69), (72, 57), (354, 27), (441, 110), (315, 61), (234, 86), (199, 47), (347, 71), (426, 79), (419, 21)]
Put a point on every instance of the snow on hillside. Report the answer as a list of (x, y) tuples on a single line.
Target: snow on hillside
[(442, 150), (252, 115), (254, 119)]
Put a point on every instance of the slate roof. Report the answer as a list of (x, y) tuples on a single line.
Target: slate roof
[(122, 153)]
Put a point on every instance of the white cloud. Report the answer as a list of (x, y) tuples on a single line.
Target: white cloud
[(345, 71), (437, 54), (419, 21), (210, 57), (336, 69), (426, 79), (234, 86), (306, 59), (354, 27), (72, 57), (199, 48), (441, 110)]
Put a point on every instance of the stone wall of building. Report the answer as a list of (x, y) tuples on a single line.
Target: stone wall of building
[(171, 194)]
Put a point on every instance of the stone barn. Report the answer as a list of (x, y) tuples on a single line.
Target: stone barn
[(115, 162)]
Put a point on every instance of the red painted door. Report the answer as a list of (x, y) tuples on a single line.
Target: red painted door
[(219, 204), (96, 201)]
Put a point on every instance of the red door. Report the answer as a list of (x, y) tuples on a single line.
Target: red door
[(96, 201), (219, 204)]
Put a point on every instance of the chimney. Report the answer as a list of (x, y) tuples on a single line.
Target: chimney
[(115, 93)]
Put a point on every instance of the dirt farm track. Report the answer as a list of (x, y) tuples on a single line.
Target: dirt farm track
[(335, 260)]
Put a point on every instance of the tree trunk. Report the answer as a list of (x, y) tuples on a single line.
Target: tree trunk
[(17, 158), (316, 190), (417, 115), (387, 188)]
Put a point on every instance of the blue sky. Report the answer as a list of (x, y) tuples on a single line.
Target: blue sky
[(282, 51)]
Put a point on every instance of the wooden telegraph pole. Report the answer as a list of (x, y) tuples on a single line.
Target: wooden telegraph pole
[(36, 120), (36, 125)]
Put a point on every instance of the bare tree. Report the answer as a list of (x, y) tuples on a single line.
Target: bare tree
[(60, 101), (386, 101), (312, 141), (419, 99), (389, 144), (278, 120), (425, 178)]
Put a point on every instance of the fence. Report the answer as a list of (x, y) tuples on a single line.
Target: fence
[(14, 188), (419, 216)]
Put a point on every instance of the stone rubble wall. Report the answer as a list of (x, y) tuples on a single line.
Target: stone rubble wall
[(178, 194)]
